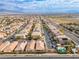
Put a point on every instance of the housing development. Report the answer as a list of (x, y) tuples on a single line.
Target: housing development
[(38, 35)]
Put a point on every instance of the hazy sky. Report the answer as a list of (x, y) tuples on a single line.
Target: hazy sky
[(39, 6)]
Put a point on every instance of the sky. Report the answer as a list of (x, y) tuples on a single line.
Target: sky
[(39, 6)]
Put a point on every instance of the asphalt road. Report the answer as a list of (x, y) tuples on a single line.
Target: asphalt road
[(36, 58), (47, 39), (74, 38)]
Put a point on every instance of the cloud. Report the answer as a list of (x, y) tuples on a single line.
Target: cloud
[(39, 6)]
